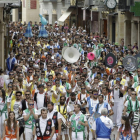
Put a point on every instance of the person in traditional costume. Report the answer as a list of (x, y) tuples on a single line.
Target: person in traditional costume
[(44, 127), (125, 131), (103, 126), (11, 128), (78, 123)]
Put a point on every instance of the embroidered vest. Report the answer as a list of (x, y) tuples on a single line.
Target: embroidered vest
[(47, 132), (54, 118)]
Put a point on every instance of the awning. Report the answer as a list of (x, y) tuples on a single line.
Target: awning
[(65, 16)]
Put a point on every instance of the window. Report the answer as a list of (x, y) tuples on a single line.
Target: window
[(33, 4), (47, 17)]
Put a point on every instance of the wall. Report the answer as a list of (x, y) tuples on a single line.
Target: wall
[(2, 61), (30, 14), (54, 9), (131, 29), (119, 27), (15, 15)]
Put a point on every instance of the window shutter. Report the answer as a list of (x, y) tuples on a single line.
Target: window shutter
[(33, 4)]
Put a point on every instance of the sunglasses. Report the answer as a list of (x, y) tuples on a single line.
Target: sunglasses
[(37, 71), (82, 88), (134, 94), (30, 72), (63, 79), (42, 74), (9, 86), (49, 85), (96, 94), (27, 94), (11, 74), (31, 104), (62, 99)]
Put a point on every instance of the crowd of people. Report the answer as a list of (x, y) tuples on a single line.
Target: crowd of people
[(45, 97)]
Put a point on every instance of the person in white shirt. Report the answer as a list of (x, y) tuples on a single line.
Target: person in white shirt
[(41, 98), (29, 116), (103, 126), (44, 127), (10, 79), (56, 117), (65, 111), (98, 108), (78, 122), (118, 102), (92, 101), (71, 101)]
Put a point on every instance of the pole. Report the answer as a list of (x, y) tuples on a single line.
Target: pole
[(76, 14), (8, 35), (7, 45)]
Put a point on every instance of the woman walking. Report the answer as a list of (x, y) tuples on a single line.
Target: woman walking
[(11, 128), (125, 131)]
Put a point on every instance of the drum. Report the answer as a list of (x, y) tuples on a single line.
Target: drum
[(134, 119), (21, 121), (92, 119), (96, 115), (87, 116), (63, 125)]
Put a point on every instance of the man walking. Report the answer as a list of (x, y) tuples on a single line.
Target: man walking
[(29, 116), (44, 127), (78, 123), (103, 126)]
